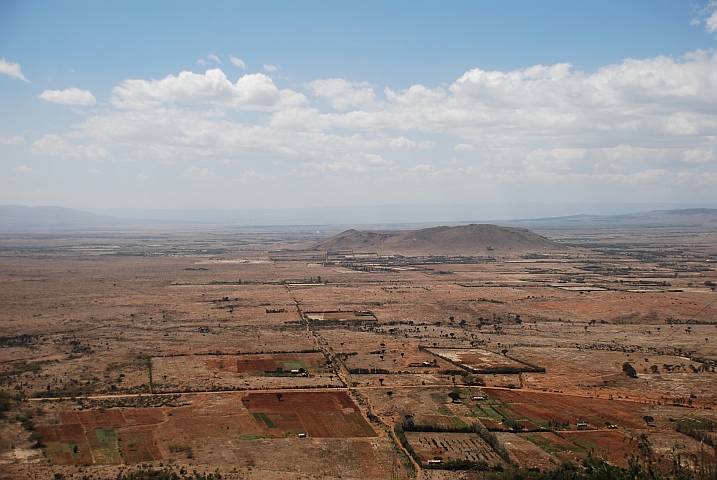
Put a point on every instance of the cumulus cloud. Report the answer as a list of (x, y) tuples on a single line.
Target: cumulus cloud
[(23, 169), (69, 96), (342, 94), (237, 61), (201, 174), (270, 68), (708, 15), (252, 91), (699, 156), (404, 143), (57, 147), (12, 69), (464, 147), (631, 123), (14, 140), (357, 162)]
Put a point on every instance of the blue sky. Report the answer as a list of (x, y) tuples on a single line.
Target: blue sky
[(299, 104)]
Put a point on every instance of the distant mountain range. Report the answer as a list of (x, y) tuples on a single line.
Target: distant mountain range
[(371, 218), (20, 217), (686, 218)]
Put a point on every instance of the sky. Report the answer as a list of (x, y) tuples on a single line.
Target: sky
[(283, 104)]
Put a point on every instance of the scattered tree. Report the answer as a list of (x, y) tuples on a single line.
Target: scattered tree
[(629, 370)]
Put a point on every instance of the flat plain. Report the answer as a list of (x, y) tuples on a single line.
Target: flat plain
[(246, 352)]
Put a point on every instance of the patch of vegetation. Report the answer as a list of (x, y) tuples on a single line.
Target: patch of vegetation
[(20, 368), (629, 370), (149, 473), (186, 449), (459, 465), (698, 429), (5, 399), (22, 340), (492, 440)]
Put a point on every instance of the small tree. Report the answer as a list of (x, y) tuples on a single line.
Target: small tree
[(454, 396), (279, 395), (629, 370)]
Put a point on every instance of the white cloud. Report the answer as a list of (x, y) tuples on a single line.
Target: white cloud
[(12, 69), (56, 146), (708, 15), (252, 91), (214, 58), (357, 162), (94, 171), (342, 94), (69, 96), (143, 177), (237, 61), (699, 156), (201, 62), (635, 122), (23, 169), (464, 147), (14, 140), (201, 174), (403, 143), (270, 68)]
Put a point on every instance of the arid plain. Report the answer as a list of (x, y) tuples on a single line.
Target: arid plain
[(274, 353)]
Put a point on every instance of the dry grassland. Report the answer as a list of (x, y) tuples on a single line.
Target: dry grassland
[(210, 350)]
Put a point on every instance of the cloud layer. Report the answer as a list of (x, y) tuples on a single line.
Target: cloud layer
[(637, 122)]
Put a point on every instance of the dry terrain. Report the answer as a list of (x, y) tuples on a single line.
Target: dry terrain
[(260, 354)]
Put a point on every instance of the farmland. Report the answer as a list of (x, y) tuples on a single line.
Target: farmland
[(244, 352)]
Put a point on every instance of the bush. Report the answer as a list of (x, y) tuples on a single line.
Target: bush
[(629, 370)]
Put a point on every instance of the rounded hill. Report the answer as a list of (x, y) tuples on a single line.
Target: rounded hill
[(465, 240)]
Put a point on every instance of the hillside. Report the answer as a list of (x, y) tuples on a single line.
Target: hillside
[(467, 240)]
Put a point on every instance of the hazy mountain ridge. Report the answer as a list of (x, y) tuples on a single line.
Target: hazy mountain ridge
[(18, 216), (21, 217)]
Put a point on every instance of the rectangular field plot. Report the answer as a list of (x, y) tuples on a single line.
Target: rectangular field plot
[(556, 446), (189, 373), (542, 408), (272, 363), (611, 445), (525, 453), (341, 316), (318, 414), (482, 361), (449, 447), (65, 444)]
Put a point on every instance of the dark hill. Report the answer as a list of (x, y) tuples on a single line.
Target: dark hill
[(466, 240)]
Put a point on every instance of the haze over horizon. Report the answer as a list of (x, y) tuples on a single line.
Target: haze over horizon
[(182, 105)]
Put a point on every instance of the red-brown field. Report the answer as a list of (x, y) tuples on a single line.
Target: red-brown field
[(541, 408), (611, 445), (329, 414)]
